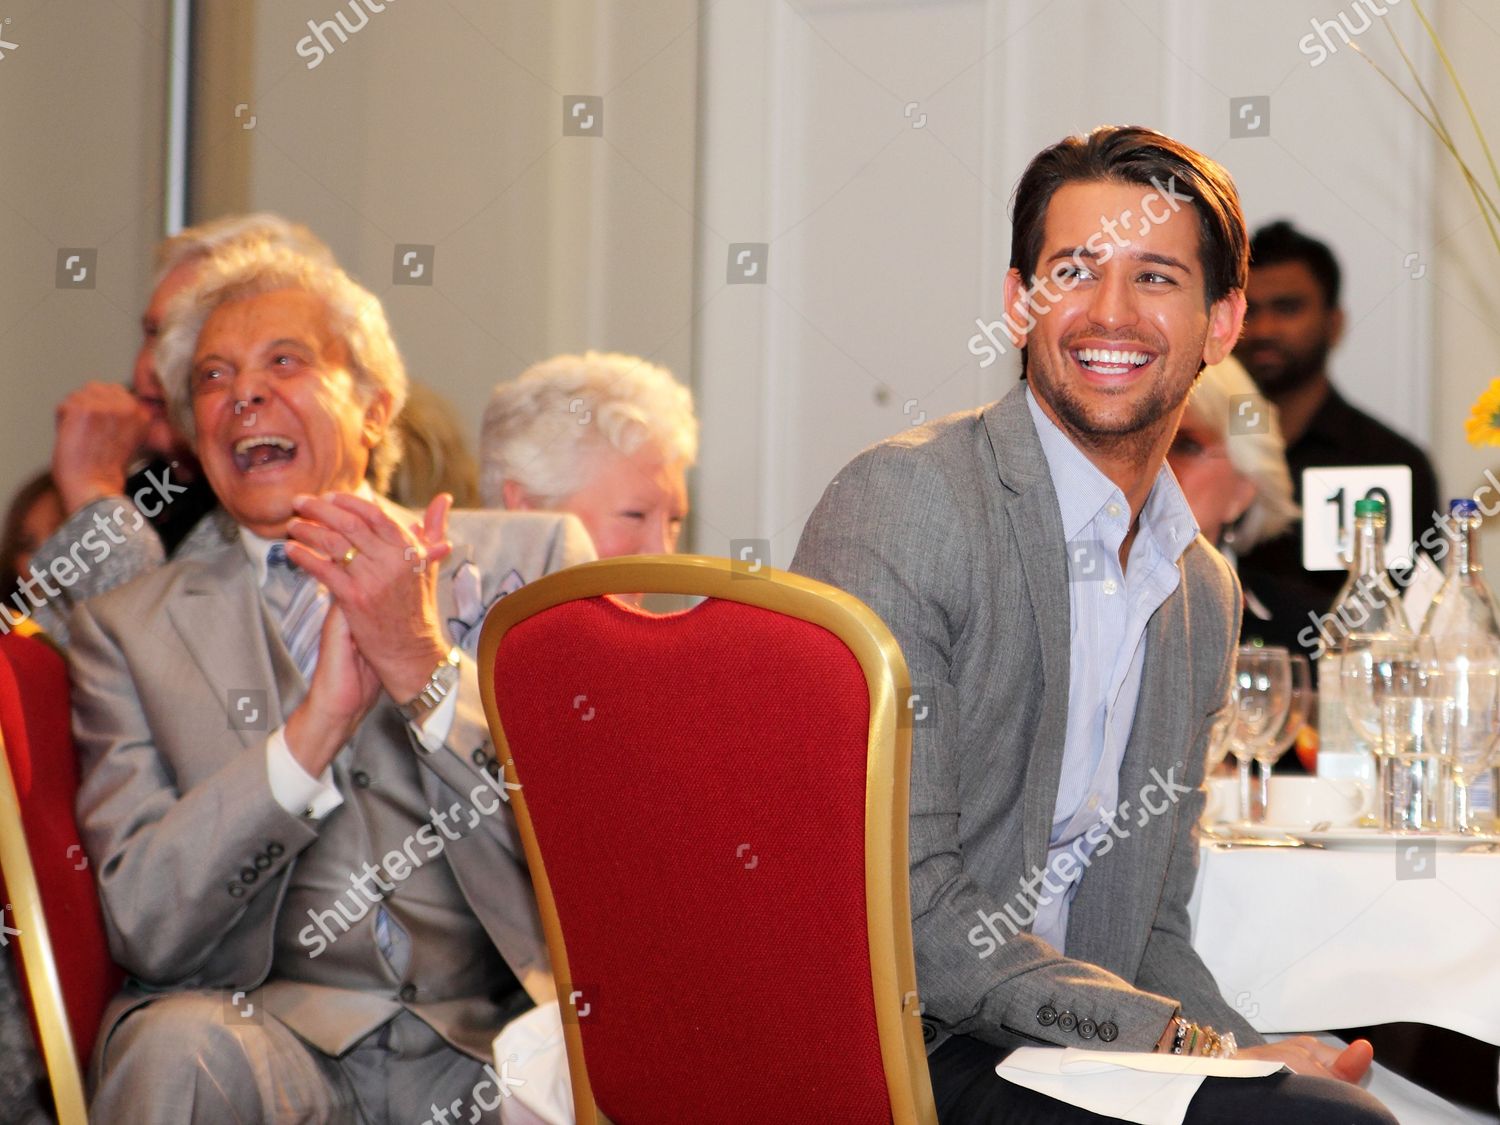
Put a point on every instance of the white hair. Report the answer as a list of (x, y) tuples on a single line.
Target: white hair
[(539, 429), (1226, 400), (354, 315), (207, 239)]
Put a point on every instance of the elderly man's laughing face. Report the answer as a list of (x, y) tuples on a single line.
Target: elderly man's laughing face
[(277, 409)]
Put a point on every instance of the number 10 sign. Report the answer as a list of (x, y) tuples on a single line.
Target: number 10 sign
[(1328, 496)]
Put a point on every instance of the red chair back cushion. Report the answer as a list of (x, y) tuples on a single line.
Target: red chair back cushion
[(35, 719), (697, 786)]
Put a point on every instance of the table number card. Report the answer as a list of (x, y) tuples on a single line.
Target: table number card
[(1328, 496)]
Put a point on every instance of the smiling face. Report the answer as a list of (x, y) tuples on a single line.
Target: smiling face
[(1112, 361), (276, 408), (632, 505)]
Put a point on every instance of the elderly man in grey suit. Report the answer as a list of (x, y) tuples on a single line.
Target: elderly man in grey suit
[(1070, 639), (303, 847)]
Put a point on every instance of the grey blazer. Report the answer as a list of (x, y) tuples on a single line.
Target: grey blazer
[(951, 532), (190, 850)]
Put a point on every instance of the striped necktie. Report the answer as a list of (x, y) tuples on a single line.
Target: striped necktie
[(301, 603)]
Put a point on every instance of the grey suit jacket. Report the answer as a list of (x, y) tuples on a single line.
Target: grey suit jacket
[(951, 532), (190, 848)]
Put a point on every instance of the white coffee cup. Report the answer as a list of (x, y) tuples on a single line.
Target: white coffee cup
[(1303, 802), (1223, 800)]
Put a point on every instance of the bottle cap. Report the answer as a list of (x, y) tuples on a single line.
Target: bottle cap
[(1369, 507), (1464, 507)]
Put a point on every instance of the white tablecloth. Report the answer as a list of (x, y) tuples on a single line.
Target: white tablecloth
[(1307, 940)]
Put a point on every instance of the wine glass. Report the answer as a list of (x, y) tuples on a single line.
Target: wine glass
[(1298, 712), (1467, 669), (1261, 691), (1374, 667)]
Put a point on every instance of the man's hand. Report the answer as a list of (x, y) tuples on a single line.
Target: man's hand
[(388, 588), (343, 689), (100, 428), (1305, 1055)]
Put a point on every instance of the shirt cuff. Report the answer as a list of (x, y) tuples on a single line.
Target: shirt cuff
[(293, 788), (432, 732)]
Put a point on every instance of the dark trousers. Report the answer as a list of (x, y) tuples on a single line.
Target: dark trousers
[(969, 1092)]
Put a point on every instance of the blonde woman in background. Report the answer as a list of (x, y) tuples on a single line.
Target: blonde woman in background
[(608, 437), (435, 455), (1230, 459)]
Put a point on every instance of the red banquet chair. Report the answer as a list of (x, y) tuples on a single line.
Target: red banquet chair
[(64, 953), (713, 804)]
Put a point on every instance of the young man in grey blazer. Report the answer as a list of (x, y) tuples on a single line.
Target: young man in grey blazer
[(289, 796), (1071, 637)]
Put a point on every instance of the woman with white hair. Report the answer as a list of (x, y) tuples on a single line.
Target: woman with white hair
[(1230, 459), (608, 437)]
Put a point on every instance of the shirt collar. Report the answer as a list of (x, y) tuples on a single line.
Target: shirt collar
[(257, 547), (1165, 516)]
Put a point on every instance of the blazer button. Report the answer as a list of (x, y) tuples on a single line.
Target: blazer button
[(262, 861), (248, 874), (408, 993), (236, 891), (1087, 1029), (1066, 1021), (479, 757), (275, 850), (361, 779), (1108, 1031), (1046, 1015)]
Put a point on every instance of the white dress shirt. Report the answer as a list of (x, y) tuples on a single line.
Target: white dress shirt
[(1109, 609)]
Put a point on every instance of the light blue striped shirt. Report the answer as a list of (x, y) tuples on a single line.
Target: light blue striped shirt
[(1108, 610)]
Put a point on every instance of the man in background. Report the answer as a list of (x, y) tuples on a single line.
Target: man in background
[(1293, 321)]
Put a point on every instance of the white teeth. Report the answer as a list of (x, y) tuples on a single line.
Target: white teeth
[(1108, 357), (244, 445)]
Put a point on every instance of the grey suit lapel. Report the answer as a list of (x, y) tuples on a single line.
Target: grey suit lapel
[(224, 626), (1037, 525)]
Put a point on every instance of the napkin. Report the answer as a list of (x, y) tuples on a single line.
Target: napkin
[(1150, 1089), (534, 1059)]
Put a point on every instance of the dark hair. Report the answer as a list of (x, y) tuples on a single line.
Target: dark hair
[(10, 539), (1133, 154), (1280, 242)]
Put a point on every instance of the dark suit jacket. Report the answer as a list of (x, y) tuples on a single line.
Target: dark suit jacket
[(951, 532)]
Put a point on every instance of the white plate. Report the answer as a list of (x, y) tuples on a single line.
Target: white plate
[(1373, 838)]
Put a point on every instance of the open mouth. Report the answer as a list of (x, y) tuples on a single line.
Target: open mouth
[(263, 451), (1111, 361)]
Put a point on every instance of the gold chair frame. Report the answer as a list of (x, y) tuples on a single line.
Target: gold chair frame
[(58, 1052), (887, 894)]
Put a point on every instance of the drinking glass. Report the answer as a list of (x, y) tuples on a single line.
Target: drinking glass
[(1261, 691), (1374, 667), (1299, 710), (1416, 762), (1468, 671)]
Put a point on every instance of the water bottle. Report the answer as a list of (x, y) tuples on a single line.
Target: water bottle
[(1367, 606), (1464, 633)]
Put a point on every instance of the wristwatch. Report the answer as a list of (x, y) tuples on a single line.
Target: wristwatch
[(438, 687)]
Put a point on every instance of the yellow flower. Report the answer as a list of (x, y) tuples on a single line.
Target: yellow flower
[(1483, 425)]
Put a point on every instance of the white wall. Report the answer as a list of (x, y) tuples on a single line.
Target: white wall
[(82, 100)]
